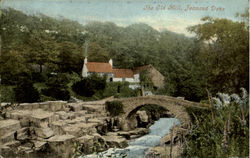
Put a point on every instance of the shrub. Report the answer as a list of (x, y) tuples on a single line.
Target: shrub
[(57, 87), (88, 86), (112, 90), (57, 93), (38, 77), (114, 107), (25, 91)]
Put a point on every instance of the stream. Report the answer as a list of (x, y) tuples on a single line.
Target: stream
[(138, 147)]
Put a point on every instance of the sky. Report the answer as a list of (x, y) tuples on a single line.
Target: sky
[(172, 15)]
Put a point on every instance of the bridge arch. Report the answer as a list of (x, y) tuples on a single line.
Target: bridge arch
[(174, 105), (133, 112)]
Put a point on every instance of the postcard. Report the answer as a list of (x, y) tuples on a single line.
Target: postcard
[(124, 78)]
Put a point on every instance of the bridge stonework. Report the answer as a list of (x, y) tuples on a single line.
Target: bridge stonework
[(174, 105)]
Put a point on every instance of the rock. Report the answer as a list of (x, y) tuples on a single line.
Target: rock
[(75, 129), (93, 108), (6, 151), (12, 144), (62, 145), (57, 105), (23, 134), (95, 120), (7, 126), (24, 150), (160, 152), (75, 107), (22, 116), (143, 116), (62, 115), (166, 139), (112, 134), (57, 127), (40, 145), (40, 118), (61, 138), (8, 137), (80, 129), (134, 133), (81, 119), (87, 143), (28, 106), (19, 114), (115, 141), (44, 132), (80, 113), (181, 98)]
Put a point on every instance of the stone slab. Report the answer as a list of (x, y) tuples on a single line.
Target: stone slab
[(7, 126)]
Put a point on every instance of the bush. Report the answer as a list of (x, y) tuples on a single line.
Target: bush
[(57, 93), (114, 107), (25, 91), (112, 90), (38, 77), (88, 86), (57, 87)]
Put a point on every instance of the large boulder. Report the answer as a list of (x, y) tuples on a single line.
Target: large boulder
[(87, 144), (40, 118), (143, 116), (7, 126), (44, 132), (62, 145)]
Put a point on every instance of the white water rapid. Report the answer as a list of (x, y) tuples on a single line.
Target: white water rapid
[(139, 146)]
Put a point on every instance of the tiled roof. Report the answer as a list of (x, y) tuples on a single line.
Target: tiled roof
[(99, 67), (123, 73), (140, 69)]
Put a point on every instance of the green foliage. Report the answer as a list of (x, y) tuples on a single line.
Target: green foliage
[(209, 140), (112, 90), (88, 86), (223, 53), (57, 87), (38, 77), (77, 150), (7, 93), (215, 59), (25, 91), (12, 64), (70, 57), (114, 108), (97, 54)]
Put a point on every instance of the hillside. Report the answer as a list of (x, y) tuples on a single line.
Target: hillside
[(59, 45)]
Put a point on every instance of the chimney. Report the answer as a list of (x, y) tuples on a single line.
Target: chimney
[(111, 62)]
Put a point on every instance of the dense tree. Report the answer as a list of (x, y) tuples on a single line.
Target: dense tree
[(224, 52), (215, 59), (97, 54), (70, 58), (12, 64)]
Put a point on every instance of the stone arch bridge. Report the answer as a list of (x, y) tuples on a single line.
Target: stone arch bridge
[(175, 105)]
